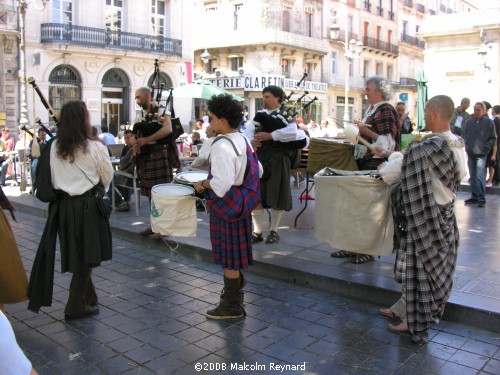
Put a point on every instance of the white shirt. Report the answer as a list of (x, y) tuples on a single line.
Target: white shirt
[(226, 166), (287, 134), (107, 138), (442, 194), (12, 359), (85, 172)]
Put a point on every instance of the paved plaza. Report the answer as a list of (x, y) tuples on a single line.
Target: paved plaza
[(153, 296)]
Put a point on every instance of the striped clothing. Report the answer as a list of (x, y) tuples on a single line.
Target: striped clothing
[(431, 241)]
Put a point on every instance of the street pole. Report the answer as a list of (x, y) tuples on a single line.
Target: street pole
[(352, 49), (348, 63), (22, 6), (24, 120)]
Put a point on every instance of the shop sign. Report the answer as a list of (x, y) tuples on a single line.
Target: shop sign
[(257, 83)]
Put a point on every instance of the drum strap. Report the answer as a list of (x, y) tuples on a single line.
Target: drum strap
[(230, 140)]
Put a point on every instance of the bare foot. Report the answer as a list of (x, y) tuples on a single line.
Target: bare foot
[(398, 328)]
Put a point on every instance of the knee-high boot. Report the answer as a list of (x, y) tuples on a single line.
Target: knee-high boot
[(243, 282), (230, 306)]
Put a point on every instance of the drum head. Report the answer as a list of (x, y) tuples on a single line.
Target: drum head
[(191, 177), (172, 190)]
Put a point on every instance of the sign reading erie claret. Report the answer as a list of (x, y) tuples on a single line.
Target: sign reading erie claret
[(257, 83)]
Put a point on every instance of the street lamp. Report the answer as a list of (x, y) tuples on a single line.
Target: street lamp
[(352, 49), (22, 6), (205, 56)]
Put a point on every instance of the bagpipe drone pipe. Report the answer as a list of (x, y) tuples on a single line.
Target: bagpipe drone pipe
[(283, 116)]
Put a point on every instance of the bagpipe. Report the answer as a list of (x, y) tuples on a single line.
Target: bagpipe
[(153, 120), (52, 113), (280, 118)]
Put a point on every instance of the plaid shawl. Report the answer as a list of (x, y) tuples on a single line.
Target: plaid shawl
[(383, 121), (239, 201), (432, 238)]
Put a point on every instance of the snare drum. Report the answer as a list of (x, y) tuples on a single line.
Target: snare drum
[(190, 178), (173, 210)]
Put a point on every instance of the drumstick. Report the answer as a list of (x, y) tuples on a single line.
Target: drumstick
[(368, 145), (350, 122)]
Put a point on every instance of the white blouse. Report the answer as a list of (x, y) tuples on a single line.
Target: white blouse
[(226, 166), (86, 171)]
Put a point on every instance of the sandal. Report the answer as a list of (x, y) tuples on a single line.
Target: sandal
[(273, 237), (342, 254), (362, 258), (257, 237)]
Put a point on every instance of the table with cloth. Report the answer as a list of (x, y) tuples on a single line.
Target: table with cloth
[(353, 212)]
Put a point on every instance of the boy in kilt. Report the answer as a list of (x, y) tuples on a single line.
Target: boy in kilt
[(232, 192)]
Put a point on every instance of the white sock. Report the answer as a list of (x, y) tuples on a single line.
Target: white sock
[(275, 219), (256, 220)]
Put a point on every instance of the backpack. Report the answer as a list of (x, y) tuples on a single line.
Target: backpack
[(43, 188)]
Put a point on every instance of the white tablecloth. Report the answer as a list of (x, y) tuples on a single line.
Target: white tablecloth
[(353, 213)]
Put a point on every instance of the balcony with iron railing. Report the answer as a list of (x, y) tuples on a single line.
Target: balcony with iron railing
[(376, 44), (408, 3), (420, 8), (104, 38), (380, 11), (390, 15), (412, 40), (368, 6)]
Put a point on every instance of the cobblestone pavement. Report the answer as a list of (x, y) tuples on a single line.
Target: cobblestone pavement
[(152, 321)]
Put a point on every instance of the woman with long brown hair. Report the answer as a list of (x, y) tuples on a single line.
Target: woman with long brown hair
[(81, 171)]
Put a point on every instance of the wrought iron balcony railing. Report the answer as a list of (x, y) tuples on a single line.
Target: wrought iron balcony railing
[(103, 38), (379, 45), (412, 40)]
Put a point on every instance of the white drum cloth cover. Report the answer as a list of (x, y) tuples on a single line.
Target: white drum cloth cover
[(173, 210), (354, 213)]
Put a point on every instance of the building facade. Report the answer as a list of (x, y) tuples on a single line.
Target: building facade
[(462, 56), (277, 41), (9, 71), (101, 51)]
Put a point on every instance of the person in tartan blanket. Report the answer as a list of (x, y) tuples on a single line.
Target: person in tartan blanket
[(431, 172), (232, 192)]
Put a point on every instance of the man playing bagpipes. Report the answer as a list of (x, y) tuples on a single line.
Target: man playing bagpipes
[(156, 155), (276, 140)]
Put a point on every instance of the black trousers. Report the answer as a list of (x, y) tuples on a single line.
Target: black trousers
[(81, 293)]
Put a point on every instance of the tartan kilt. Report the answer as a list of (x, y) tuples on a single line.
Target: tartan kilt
[(231, 242), (155, 168)]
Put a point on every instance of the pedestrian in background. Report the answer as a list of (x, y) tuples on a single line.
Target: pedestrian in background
[(460, 116), (480, 137), (81, 171)]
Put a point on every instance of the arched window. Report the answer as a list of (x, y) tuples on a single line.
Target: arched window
[(167, 83), (64, 85), (115, 108)]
